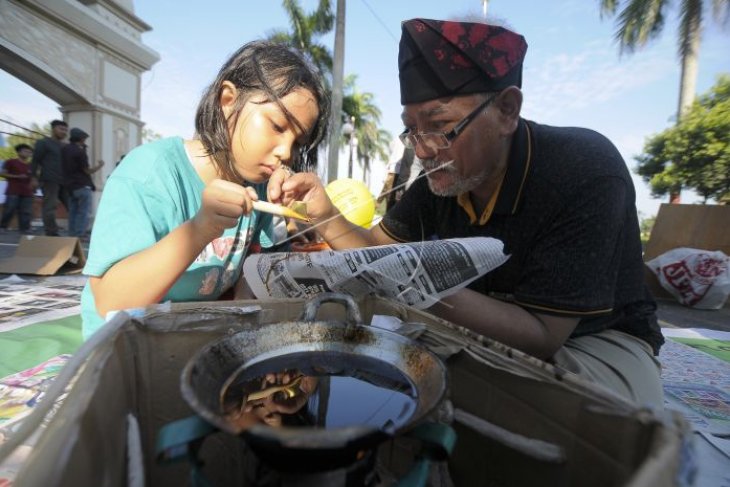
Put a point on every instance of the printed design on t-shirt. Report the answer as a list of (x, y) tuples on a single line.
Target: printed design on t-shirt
[(209, 281), (217, 253), (222, 247), (228, 277)]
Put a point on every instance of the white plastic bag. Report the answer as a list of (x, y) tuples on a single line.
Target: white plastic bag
[(697, 278)]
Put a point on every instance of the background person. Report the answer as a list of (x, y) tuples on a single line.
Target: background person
[(402, 170), (560, 199), (77, 182), (19, 191), (47, 171), (175, 219)]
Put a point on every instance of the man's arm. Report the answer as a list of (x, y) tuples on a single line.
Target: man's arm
[(537, 334), (92, 170), (39, 153), (9, 172)]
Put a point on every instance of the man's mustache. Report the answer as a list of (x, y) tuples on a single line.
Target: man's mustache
[(431, 165)]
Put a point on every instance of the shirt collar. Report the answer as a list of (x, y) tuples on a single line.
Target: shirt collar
[(520, 159), (464, 201), (506, 199)]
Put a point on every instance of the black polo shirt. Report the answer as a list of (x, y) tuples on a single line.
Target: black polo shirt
[(566, 214)]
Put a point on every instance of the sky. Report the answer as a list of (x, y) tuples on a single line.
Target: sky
[(573, 74)]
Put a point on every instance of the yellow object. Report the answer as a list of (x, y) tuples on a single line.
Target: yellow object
[(290, 390), (298, 211), (353, 199)]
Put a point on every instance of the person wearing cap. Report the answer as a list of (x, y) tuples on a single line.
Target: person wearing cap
[(46, 172), (402, 170), (561, 200), (78, 182)]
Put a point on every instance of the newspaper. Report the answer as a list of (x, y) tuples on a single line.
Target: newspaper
[(417, 274)]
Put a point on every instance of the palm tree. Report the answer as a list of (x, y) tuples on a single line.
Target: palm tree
[(643, 20), (305, 30), (372, 140)]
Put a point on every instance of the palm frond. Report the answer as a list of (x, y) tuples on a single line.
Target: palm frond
[(690, 26), (639, 22), (608, 8), (721, 12), (280, 36), (323, 20)]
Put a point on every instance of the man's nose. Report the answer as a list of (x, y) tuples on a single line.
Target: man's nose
[(423, 151)]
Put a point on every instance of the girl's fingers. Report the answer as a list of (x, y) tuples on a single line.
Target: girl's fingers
[(273, 189), (229, 193)]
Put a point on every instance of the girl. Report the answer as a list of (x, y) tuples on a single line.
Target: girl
[(175, 219)]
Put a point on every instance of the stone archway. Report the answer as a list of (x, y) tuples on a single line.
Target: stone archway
[(88, 56)]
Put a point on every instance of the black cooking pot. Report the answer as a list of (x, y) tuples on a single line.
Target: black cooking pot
[(313, 395)]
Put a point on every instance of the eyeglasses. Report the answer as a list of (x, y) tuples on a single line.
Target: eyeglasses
[(434, 141)]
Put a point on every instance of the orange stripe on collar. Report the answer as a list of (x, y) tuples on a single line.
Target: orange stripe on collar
[(465, 202)]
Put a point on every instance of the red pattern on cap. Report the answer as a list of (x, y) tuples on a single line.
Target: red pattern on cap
[(439, 58), (492, 49)]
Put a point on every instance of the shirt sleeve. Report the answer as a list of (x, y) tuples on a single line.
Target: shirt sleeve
[(39, 152), (129, 219), (573, 265)]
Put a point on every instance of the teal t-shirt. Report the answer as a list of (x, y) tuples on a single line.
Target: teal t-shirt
[(153, 191)]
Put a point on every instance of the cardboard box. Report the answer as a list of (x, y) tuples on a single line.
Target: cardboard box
[(45, 256), (507, 408)]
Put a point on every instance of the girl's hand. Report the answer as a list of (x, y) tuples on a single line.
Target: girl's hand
[(223, 204), (273, 188), (306, 187)]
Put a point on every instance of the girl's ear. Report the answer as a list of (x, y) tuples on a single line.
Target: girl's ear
[(228, 97)]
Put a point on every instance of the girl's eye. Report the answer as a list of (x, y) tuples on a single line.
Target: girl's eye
[(277, 124)]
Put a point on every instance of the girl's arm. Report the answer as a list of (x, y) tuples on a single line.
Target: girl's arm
[(145, 278)]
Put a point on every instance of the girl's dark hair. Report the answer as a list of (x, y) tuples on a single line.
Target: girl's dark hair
[(260, 67)]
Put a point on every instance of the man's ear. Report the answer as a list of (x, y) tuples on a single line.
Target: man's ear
[(228, 97), (509, 104)]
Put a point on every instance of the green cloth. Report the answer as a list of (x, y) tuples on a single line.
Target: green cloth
[(31, 345), (717, 348)]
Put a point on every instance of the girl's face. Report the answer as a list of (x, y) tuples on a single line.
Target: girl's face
[(263, 139)]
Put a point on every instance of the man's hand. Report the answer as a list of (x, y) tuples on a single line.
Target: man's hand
[(223, 204), (92, 170)]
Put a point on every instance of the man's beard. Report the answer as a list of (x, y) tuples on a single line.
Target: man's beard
[(458, 184)]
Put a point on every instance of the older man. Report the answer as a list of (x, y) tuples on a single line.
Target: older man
[(561, 200)]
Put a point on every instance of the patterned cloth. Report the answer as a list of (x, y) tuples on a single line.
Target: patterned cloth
[(19, 394), (441, 58)]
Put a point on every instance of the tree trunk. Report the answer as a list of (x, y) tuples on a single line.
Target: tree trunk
[(690, 50), (690, 64), (338, 70), (366, 171)]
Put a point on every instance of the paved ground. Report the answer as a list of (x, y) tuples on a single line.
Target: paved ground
[(670, 312)]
